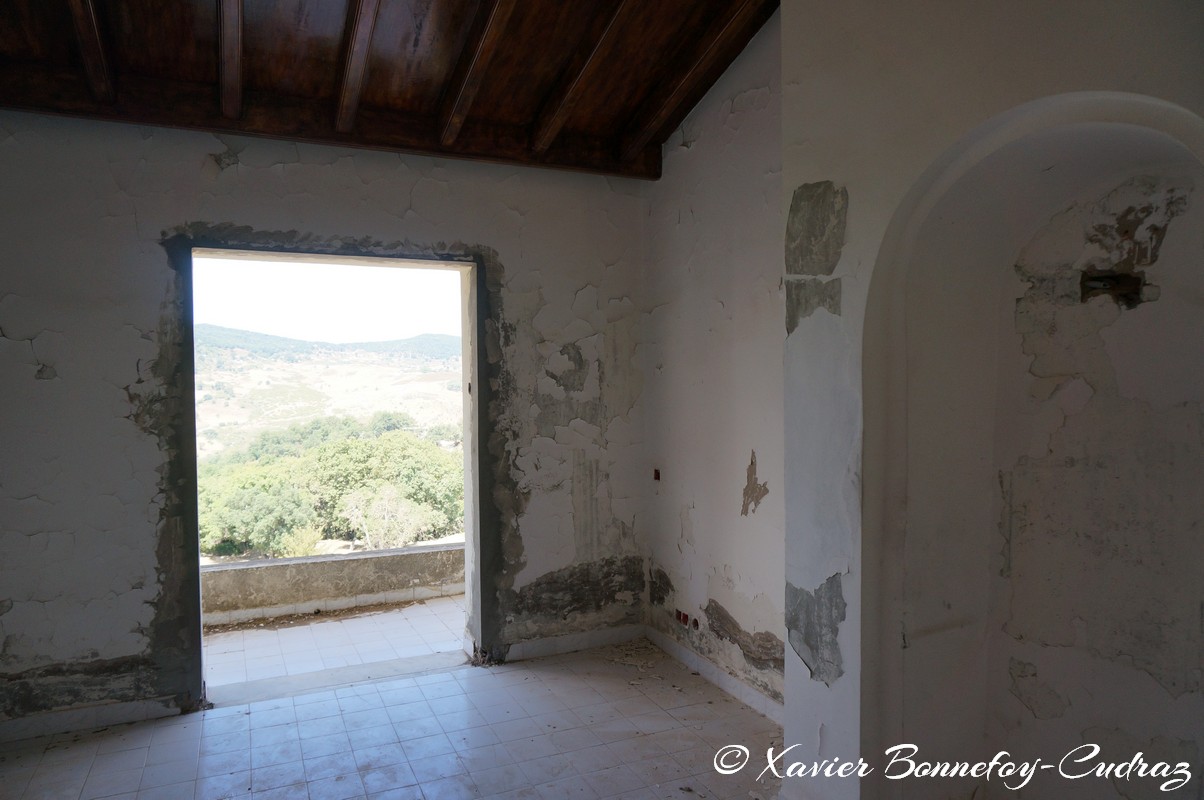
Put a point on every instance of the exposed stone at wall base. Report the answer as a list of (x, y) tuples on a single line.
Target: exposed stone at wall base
[(577, 598), (66, 685), (722, 653), (755, 658)]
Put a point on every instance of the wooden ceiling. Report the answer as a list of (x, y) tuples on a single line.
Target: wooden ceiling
[(594, 85)]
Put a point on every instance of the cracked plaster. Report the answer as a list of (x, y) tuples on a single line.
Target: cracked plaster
[(711, 351), (88, 478), (570, 357), (1131, 465)]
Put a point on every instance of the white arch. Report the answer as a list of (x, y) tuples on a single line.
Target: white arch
[(885, 379)]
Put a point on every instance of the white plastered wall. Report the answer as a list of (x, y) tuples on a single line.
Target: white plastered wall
[(83, 208), (87, 285), (1050, 566), (713, 336), (873, 94)]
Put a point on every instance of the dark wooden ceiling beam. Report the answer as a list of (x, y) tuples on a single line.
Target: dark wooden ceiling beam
[(488, 29), (92, 49), (562, 100), (177, 104), (723, 42), (230, 39), (355, 65)]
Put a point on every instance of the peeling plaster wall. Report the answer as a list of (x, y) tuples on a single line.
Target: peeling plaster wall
[(1100, 453), (94, 585), (873, 94), (1050, 567), (713, 387)]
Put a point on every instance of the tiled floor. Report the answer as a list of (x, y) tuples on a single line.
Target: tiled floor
[(623, 721), (432, 626)]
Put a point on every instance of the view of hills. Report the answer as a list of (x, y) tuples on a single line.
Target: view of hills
[(436, 346), (248, 382)]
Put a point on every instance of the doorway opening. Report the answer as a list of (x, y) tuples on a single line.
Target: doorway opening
[(334, 429)]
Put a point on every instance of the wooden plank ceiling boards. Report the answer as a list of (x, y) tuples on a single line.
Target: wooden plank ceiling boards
[(592, 85)]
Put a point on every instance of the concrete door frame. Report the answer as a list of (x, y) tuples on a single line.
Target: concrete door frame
[(483, 555)]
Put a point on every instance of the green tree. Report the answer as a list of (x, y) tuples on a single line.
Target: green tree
[(445, 433), (332, 478), (333, 470), (384, 517), (385, 421), (252, 508)]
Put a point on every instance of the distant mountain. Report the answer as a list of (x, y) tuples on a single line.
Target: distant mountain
[(426, 345)]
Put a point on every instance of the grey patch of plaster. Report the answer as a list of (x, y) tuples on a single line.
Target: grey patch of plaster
[(1132, 237), (556, 602), (573, 378), (762, 650), (77, 683), (805, 297), (815, 228), (1109, 485), (813, 623), (724, 652), (1129, 238), (1181, 755), (659, 586), (1123, 230), (754, 492), (224, 159), (1037, 695), (160, 400), (727, 655), (229, 156), (6, 605)]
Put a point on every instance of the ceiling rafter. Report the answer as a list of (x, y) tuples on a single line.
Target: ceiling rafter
[(484, 40), (588, 85), (564, 97), (92, 49), (668, 107), (180, 104), (355, 65), (230, 38)]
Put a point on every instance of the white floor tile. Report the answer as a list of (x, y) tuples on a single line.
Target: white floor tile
[(580, 725)]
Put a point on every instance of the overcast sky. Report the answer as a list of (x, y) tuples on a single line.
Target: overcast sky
[(325, 302)]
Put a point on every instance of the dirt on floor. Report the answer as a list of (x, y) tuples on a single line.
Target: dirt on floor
[(325, 547), (317, 615)]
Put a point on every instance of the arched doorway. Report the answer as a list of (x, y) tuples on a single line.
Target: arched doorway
[(1032, 436)]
